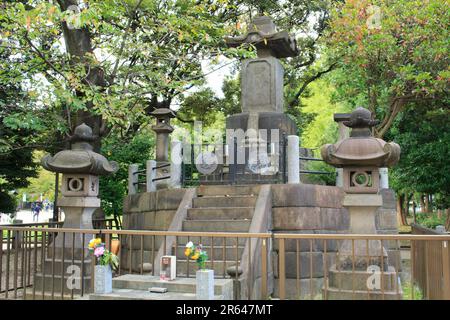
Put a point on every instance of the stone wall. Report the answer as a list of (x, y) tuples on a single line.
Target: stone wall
[(307, 208), (386, 223), (147, 211)]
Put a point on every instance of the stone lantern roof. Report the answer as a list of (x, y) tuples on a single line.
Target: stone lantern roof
[(361, 149), (263, 34), (80, 158), (163, 116)]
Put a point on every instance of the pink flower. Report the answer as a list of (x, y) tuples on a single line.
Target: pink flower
[(99, 251)]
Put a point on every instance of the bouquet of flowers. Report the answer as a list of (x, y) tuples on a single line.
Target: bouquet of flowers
[(196, 253), (104, 256)]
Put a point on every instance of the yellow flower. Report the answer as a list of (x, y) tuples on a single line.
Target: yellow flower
[(187, 252), (195, 256), (91, 244), (98, 241)]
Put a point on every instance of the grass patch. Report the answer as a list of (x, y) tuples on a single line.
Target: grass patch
[(407, 292)]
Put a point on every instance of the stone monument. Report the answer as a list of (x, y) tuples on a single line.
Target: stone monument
[(80, 167), (360, 156), (262, 86), (162, 129)]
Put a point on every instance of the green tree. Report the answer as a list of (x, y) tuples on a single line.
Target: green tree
[(136, 150), (390, 55)]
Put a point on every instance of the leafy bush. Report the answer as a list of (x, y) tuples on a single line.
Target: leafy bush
[(113, 188), (430, 220)]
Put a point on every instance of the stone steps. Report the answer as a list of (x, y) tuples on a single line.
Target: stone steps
[(336, 294), (219, 267), (136, 287), (220, 213), (217, 225), (129, 294), (180, 284), (227, 190), (221, 202), (217, 254)]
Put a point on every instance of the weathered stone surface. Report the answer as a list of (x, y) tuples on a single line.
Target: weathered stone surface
[(301, 289), (293, 195), (169, 199), (163, 218), (335, 219), (131, 203), (147, 201), (304, 195), (296, 218), (386, 219), (389, 200), (329, 196)]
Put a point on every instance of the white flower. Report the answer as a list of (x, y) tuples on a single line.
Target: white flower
[(189, 244)]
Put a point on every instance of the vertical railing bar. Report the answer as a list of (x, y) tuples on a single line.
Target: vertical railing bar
[(412, 254), (338, 265), (176, 252), (263, 269), (142, 254), (397, 257), (43, 248), (236, 256), (35, 251), (93, 263), (311, 289), (73, 260), (8, 258), (16, 259), (224, 258), (382, 270), (250, 279), (282, 269), (62, 263), (298, 269), (29, 257), (130, 251), (353, 269), (1, 259), (153, 254), (212, 253), (53, 265), (82, 263), (24, 263), (187, 260), (368, 263), (325, 271)]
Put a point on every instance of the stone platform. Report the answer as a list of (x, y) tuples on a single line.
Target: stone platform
[(135, 287)]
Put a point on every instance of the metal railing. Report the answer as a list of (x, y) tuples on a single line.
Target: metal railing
[(306, 266), (432, 264), (234, 168)]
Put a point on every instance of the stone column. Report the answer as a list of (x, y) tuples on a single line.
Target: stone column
[(384, 178), (150, 174), (175, 164), (132, 178), (293, 159)]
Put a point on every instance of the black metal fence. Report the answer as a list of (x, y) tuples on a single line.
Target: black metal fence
[(234, 164)]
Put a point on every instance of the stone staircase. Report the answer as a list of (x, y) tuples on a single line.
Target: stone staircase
[(218, 209), (136, 287)]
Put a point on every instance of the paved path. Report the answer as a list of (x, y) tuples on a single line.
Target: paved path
[(27, 217)]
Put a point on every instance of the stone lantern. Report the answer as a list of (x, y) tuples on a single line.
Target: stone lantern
[(162, 128), (80, 167), (360, 156)]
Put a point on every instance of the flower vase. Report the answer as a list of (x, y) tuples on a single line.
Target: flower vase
[(205, 284), (103, 279)]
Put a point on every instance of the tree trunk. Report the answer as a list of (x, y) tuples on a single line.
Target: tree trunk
[(400, 210), (427, 204), (79, 46), (447, 224), (422, 203)]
